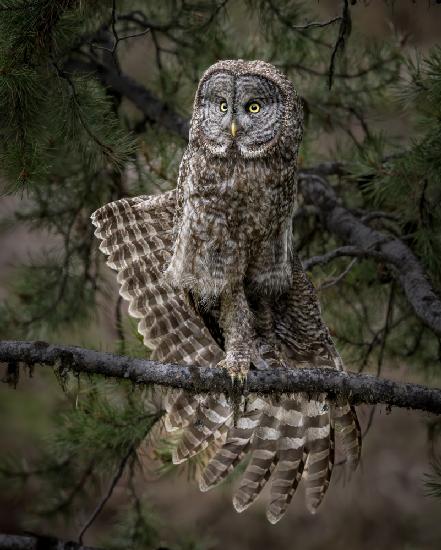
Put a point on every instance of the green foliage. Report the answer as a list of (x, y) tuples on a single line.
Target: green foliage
[(409, 183), (90, 440), (139, 526), (104, 424)]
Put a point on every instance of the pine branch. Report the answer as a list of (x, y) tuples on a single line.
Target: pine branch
[(38, 542), (357, 388), (151, 106), (405, 266)]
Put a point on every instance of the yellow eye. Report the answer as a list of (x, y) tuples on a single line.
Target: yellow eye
[(254, 107), (223, 106)]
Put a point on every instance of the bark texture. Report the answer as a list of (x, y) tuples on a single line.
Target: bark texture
[(356, 388)]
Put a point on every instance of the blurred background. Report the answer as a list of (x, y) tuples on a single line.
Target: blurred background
[(94, 103)]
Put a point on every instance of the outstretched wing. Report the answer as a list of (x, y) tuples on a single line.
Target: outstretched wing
[(137, 236)]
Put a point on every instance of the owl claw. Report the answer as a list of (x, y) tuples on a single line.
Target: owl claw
[(237, 368)]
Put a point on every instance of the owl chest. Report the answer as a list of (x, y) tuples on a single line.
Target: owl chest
[(238, 207)]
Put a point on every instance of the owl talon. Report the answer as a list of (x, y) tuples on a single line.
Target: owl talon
[(237, 368)]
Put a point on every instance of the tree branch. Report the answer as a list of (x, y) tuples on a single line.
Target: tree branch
[(343, 33), (357, 388), (151, 106), (38, 542), (405, 266)]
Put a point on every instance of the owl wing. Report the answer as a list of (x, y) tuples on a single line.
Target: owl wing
[(137, 237), (307, 342)]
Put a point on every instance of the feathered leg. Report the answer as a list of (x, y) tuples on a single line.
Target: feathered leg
[(236, 323)]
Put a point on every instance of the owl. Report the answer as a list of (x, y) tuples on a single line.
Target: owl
[(210, 271)]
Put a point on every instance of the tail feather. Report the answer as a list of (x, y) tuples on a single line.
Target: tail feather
[(181, 411), (291, 459), (349, 433), (234, 449), (206, 426), (263, 458), (321, 449)]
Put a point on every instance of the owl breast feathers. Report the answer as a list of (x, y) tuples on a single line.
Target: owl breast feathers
[(210, 272)]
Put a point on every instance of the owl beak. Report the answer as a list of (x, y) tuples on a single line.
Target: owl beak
[(233, 129)]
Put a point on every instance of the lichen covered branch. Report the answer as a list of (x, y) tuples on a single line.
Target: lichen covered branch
[(357, 388), (405, 266)]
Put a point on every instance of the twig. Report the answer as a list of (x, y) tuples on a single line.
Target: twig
[(335, 280), (119, 325), (343, 31), (343, 75), (108, 494), (315, 24), (67, 501), (385, 334), (341, 252), (357, 388), (299, 29), (116, 38), (387, 326), (369, 422), (105, 148)]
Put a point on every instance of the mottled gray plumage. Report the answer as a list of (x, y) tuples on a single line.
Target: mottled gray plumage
[(210, 271)]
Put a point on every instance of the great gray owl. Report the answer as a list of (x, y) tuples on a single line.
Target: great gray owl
[(210, 271)]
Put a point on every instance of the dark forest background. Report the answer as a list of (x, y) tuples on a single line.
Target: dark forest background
[(95, 99)]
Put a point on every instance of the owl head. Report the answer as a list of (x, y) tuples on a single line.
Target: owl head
[(246, 108)]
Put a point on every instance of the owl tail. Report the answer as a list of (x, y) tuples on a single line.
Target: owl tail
[(235, 447), (291, 459), (321, 450), (208, 424), (294, 435), (181, 410), (349, 433), (263, 458)]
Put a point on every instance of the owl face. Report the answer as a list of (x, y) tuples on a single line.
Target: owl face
[(241, 113)]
